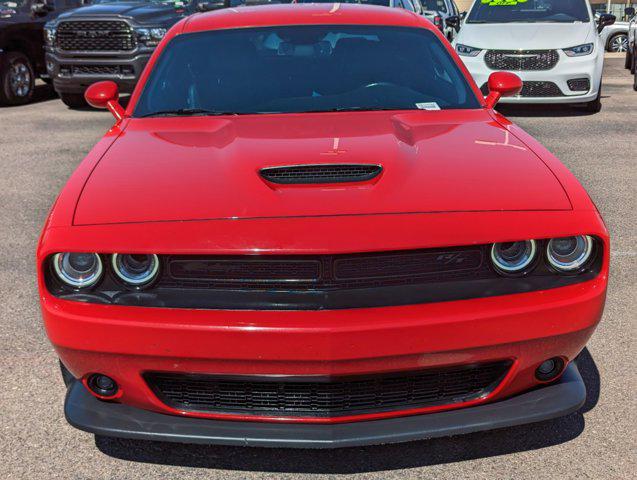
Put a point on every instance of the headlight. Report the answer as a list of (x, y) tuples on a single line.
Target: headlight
[(150, 36), (580, 50), (135, 269), (569, 254), (79, 270), (467, 51), (49, 35), (513, 257)]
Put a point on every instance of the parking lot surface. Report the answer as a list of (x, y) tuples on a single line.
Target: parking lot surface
[(41, 144)]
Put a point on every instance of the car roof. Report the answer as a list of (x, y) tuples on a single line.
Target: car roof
[(304, 14)]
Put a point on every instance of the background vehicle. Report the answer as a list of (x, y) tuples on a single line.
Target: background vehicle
[(553, 45), (21, 45), (110, 40), (630, 51), (614, 37), (443, 10)]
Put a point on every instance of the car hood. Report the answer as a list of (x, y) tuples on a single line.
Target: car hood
[(196, 168), (525, 36), (142, 12)]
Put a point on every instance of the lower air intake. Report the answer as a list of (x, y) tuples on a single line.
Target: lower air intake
[(326, 396), (326, 173)]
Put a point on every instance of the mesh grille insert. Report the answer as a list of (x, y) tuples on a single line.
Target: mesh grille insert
[(533, 89), (327, 173), (326, 397), (521, 59), (579, 84), (114, 35)]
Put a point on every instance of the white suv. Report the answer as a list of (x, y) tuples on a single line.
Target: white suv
[(553, 45)]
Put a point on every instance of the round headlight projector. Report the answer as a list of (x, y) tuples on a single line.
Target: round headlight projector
[(513, 257), (135, 270), (79, 270), (569, 254)]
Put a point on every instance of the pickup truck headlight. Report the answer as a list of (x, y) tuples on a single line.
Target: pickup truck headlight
[(467, 51), (580, 50), (150, 36), (49, 35)]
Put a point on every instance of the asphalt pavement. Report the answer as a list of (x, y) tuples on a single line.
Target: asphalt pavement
[(41, 144)]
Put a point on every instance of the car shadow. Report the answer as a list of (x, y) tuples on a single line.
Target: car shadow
[(41, 93), (542, 110), (366, 459)]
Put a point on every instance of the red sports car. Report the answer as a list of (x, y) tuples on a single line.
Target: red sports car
[(309, 229)]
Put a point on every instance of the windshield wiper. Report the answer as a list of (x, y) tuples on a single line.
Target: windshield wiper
[(186, 112), (357, 109)]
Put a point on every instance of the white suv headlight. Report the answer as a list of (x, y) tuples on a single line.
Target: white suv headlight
[(580, 50), (467, 51)]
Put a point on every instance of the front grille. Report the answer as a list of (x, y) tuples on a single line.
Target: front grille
[(325, 272), (78, 36), (521, 59), (326, 396), (327, 173), (533, 89), (92, 69), (579, 84)]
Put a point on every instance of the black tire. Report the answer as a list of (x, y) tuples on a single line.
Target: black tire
[(17, 79), (635, 81), (67, 376), (73, 100), (594, 106), (617, 43), (628, 61)]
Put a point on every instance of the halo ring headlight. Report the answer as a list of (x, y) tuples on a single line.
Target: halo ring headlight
[(569, 254), (136, 270), (78, 270), (513, 257)]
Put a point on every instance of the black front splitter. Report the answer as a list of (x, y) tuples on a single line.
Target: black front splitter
[(85, 412)]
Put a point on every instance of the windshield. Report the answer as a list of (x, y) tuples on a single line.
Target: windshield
[(304, 69), (437, 5), (528, 11)]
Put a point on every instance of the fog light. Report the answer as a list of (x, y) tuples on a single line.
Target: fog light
[(102, 385), (549, 369)]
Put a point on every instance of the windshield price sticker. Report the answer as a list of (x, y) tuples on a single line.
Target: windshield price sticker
[(428, 106), (503, 3)]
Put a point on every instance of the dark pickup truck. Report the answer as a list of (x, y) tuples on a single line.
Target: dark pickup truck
[(110, 40), (21, 45)]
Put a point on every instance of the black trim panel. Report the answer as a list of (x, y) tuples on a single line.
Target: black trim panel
[(85, 412)]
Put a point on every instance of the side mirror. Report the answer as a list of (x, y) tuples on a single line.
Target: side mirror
[(41, 8), (502, 84), (453, 22), (629, 11), (213, 5), (105, 95), (605, 19)]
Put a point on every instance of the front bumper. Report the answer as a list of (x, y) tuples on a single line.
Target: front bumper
[(85, 412), (568, 68), (74, 73)]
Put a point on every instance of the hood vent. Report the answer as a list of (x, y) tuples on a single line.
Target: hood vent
[(324, 173)]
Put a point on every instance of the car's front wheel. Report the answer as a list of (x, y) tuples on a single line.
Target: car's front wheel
[(618, 43), (73, 100), (594, 106), (17, 79)]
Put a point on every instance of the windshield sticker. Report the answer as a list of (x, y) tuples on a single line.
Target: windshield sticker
[(503, 3), (428, 106)]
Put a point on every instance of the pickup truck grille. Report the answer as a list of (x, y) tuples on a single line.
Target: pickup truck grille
[(326, 397), (107, 36), (521, 59)]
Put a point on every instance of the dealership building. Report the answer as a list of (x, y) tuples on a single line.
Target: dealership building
[(616, 7)]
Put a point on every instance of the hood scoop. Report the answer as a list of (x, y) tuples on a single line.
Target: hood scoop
[(323, 173)]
